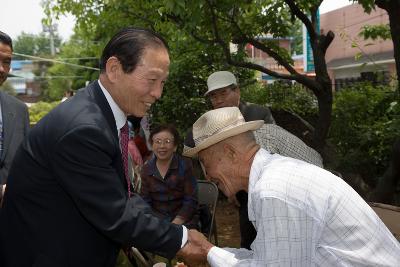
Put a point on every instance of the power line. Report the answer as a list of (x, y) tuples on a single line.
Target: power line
[(56, 61)]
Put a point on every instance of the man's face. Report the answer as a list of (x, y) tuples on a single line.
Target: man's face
[(219, 169), (135, 92), (225, 97), (5, 61)]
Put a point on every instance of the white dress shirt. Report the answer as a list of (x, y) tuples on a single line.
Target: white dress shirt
[(120, 120), (306, 216)]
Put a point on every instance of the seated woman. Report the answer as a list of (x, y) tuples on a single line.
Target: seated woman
[(168, 184)]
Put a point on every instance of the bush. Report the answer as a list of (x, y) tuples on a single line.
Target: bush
[(365, 123), (283, 96), (40, 109)]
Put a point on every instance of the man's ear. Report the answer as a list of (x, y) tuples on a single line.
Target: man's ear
[(238, 92), (231, 152), (113, 67)]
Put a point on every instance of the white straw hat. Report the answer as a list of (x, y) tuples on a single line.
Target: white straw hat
[(217, 125), (220, 79)]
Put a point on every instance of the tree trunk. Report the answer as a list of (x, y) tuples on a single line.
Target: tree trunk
[(324, 117), (323, 92), (392, 7)]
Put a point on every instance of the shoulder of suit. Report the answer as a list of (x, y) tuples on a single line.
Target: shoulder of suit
[(8, 99), (255, 106)]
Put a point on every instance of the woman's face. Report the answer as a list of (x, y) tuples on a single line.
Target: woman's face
[(163, 145)]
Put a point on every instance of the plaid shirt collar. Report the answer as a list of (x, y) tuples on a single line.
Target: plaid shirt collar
[(153, 167)]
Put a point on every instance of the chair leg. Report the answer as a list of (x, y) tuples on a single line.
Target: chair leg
[(215, 233)]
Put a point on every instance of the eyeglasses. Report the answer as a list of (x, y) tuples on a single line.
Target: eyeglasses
[(166, 142)]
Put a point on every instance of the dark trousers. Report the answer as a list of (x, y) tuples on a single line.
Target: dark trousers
[(247, 231)]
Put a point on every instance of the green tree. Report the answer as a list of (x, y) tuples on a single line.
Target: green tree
[(76, 63), (34, 45), (221, 23), (366, 122)]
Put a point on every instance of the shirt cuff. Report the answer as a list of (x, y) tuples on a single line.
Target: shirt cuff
[(220, 257), (184, 236)]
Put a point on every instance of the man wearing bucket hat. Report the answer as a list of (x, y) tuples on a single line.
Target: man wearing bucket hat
[(223, 91), (304, 215)]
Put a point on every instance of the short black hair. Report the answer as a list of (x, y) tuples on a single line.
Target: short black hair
[(6, 39), (128, 45), (168, 128)]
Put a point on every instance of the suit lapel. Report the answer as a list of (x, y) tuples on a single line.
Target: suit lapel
[(100, 99), (8, 114)]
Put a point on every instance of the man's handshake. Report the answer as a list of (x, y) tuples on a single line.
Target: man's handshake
[(196, 249)]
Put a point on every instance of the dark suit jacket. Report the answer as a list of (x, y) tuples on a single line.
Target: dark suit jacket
[(66, 202), (15, 119), (253, 112)]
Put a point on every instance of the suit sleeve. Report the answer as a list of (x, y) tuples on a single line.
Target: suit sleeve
[(268, 116), (84, 160)]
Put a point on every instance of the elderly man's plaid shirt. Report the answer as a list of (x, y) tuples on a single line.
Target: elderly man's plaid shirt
[(275, 139)]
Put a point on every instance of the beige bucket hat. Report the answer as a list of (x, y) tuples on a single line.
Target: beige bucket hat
[(220, 79), (217, 125)]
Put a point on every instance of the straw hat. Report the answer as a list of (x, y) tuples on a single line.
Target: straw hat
[(220, 79), (217, 125)]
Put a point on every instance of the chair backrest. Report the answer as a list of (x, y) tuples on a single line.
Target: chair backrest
[(208, 195), (390, 215)]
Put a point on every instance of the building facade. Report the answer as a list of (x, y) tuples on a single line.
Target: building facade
[(350, 58)]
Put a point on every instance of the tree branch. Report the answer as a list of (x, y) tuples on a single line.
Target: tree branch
[(306, 21), (225, 47), (326, 41), (245, 39)]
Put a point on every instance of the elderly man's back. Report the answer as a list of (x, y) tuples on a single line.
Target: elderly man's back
[(275, 139), (311, 217)]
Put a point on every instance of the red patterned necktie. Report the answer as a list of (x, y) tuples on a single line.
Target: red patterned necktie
[(124, 138)]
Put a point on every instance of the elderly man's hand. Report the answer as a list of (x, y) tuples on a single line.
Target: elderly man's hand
[(196, 249)]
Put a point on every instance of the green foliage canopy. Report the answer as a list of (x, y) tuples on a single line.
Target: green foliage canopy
[(366, 121)]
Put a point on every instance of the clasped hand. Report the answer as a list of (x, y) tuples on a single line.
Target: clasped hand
[(196, 249)]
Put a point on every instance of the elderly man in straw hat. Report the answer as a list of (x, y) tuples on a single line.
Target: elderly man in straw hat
[(304, 215)]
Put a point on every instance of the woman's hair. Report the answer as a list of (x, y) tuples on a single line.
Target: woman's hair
[(165, 127)]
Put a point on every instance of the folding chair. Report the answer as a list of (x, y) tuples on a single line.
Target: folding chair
[(208, 195), (390, 215), (140, 259)]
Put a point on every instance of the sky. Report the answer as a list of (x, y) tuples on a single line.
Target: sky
[(26, 15)]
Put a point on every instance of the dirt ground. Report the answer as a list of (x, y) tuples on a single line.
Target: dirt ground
[(227, 219)]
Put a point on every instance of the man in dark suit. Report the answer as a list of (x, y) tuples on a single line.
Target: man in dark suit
[(14, 118), (69, 200)]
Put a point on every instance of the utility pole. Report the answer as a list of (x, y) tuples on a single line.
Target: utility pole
[(51, 29)]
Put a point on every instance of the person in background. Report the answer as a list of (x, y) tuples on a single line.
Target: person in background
[(14, 116), (224, 91), (168, 184), (303, 214), (137, 139), (67, 95)]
